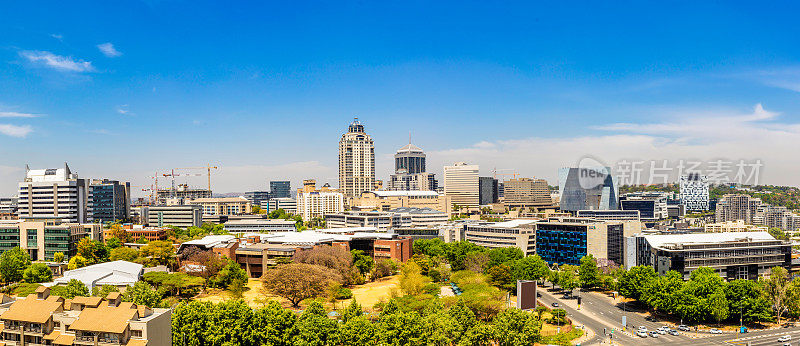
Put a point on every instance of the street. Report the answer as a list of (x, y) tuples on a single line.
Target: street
[(599, 311)]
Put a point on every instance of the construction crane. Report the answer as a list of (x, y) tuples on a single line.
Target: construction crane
[(513, 173), (208, 169)]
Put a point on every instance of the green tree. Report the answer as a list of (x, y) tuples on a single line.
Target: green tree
[(13, 263), (456, 253), (356, 331), (353, 310), (273, 325), (190, 323), (635, 280), (74, 288), (779, 290), (231, 272), (411, 279), (158, 252), (38, 272), (402, 328), (567, 277), (314, 327), (718, 306), (531, 268), (362, 262), (113, 243), (748, 299), (103, 291), (501, 276), (92, 251), (58, 257), (429, 247), (76, 262), (504, 255), (141, 293), (515, 327), (123, 254), (299, 281), (588, 273), (661, 293)]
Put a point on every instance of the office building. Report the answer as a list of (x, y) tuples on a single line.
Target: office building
[(423, 217), (356, 161), (503, 234), (260, 225), (587, 189), (462, 185), (43, 239), (54, 193), (409, 159), (694, 192), (223, 206), (733, 226), (412, 182), (110, 200), (42, 319), (568, 240), (780, 217), (381, 220), (488, 190), (257, 197), (288, 205), (527, 193), (313, 202), (652, 206), (388, 200), (180, 195), (280, 189), (734, 255), (136, 232), (676, 211), (182, 216), (610, 215), (8, 206), (732, 207)]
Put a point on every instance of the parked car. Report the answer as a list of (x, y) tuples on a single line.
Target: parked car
[(785, 338), (555, 305), (662, 330), (673, 332), (642, 329), (715, 331), (641, 334), (653, 334), (683, 327)]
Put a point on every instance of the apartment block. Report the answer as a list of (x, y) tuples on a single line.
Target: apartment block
[(42, 239), (462, 185), (313, 202), (527, 192), (356, 161), (42, 319)]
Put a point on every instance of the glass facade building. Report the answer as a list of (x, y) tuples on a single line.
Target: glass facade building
[(488, 190), (562, 244), (110, 200), (280, 189), (587, 189)]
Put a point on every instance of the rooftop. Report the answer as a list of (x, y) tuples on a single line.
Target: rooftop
[(405, 193), (660, 240), (239, 199)]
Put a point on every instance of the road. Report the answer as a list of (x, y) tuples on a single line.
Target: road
[(598, 312)]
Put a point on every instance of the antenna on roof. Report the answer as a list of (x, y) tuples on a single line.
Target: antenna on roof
[(409, 137)]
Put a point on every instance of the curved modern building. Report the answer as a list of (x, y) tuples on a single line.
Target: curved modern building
[(587, 189), (410, 159)]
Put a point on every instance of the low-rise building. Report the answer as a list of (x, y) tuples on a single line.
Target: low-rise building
[(503, 234), (224, 205), (652, 206), (566, 241), (388, 200), (289, 205), (260, 225), (136, 232), (610, 215), (380, 220), (116, 273), (182, 216), (313, 202), (734, 255), (423, 217), (43, 239), (733, 226), (42, 319)]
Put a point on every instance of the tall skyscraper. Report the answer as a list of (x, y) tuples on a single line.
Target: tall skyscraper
[(409, 171), (694, 192), (280, 189), (111, 200), (54, 193), (489, 192), (356, 161), (461, 184), (587, 189)]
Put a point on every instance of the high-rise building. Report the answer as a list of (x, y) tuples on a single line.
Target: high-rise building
[(280, 189), (356, 161), (462, 185), (54, 193), (409, 159), (587, 189), (180, 195), (111, 200), (409, 171), (257, 197), (694, 192), (527, 192), (488, 190), (732, 207), (652, 206)]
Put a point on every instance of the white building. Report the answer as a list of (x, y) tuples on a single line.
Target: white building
[(54, 193), (117, 273), (694, 192), (356, 161), (289, 205), (461, 184), (313, 204)]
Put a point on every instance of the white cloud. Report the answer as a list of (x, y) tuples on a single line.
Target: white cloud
[(123, 109), (17, 115), (15, 131), (57, 62), (108, 50), (693, 135), (57, 36)]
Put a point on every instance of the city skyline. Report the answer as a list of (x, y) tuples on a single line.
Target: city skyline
[(529, 87)]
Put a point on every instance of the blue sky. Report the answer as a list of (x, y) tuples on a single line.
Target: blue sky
[(124, 88)]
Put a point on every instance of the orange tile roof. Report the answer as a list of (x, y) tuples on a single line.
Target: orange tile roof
[(64, 339), (104, 319), (136, 342), (52, 336), (33, 310)]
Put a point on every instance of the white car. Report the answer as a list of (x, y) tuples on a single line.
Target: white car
[(715, 331), (641, 334), (643, 329), (662, 330), (785, 338)]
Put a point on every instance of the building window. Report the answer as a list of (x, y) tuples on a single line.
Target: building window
[(742, 273), (136, 333)]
